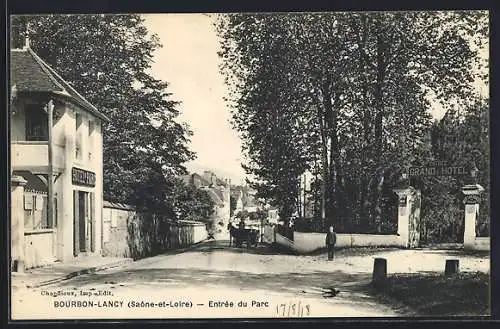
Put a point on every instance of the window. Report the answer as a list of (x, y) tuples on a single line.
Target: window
[(37, 124), (78, 144), (91, 127), (91, 130), (35, 212), (78, 149), (79, 120)]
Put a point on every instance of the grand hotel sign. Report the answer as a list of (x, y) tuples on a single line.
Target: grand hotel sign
[(82, 177), (437, 168)]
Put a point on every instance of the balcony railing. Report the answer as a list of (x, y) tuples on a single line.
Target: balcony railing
[(33, 155)]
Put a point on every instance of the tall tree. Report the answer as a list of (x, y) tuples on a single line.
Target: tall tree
[(359, 84), (270, 125)]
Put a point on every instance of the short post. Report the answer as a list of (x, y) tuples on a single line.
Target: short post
[(451, 267), (379, 271)]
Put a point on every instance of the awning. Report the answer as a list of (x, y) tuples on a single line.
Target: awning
[(34, 183)]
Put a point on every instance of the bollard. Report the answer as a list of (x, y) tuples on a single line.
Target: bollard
[(18, 266), (451, 267), (379, 271)]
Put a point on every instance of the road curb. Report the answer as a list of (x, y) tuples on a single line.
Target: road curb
[(80, 272)]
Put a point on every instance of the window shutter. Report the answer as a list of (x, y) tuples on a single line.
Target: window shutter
[(28, 202)]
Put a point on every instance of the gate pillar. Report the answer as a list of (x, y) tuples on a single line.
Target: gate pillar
[(471, 200), (17, 223), (409, 203)]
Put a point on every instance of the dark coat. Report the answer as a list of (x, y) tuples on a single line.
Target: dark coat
[(331, 238)]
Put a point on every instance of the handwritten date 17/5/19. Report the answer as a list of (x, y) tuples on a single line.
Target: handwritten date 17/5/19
[(293, 309)]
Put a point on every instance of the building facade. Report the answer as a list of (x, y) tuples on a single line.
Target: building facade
[(219, 191), (245, 199), (55, 134)]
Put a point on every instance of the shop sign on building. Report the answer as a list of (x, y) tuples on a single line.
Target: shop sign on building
[(82, 177)]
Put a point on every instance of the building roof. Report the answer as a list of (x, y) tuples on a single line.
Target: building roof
[(189, 179), (116, 205), (29, 73), (216, 197), (33, 182), (221, 182)]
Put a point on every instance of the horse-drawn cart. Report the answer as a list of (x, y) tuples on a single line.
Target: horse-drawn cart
[(248, 236)]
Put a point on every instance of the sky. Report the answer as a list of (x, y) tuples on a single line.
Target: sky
[(188, 61)]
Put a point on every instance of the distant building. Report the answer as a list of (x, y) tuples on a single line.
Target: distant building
[(239, 203), (75, 166), (218, 190), (305, 197), (245, 199)]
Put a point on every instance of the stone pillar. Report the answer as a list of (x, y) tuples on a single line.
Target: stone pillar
[(65, 220), (471, 200), (408, 216), (403, 214), (97, 151), (17, 223)]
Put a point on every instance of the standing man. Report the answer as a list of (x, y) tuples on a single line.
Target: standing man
[(291, 223), (331, 239)]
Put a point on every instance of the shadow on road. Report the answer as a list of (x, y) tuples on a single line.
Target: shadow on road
[(457, 253), (350, 287), (275, 249), (261, 249)]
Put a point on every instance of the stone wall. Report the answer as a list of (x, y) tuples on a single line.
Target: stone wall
[(39, 248), (481, 243), (127, 233), (309, 242), (268, 236), (115, 229)]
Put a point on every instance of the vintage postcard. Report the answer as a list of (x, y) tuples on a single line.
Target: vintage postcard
[(249, 165)]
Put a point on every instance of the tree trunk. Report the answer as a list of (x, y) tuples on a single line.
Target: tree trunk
[(367, 126), (324, 178), (336, 173), (379, 100), (325, 167)]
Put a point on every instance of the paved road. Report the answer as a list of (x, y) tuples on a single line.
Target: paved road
[(204, 281)]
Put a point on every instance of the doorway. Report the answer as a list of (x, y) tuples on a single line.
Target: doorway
[(83, 234)]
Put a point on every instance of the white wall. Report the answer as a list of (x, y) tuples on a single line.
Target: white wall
[(308, 242), (481, 243), (268, 236), (39, 247), (199, 233)]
